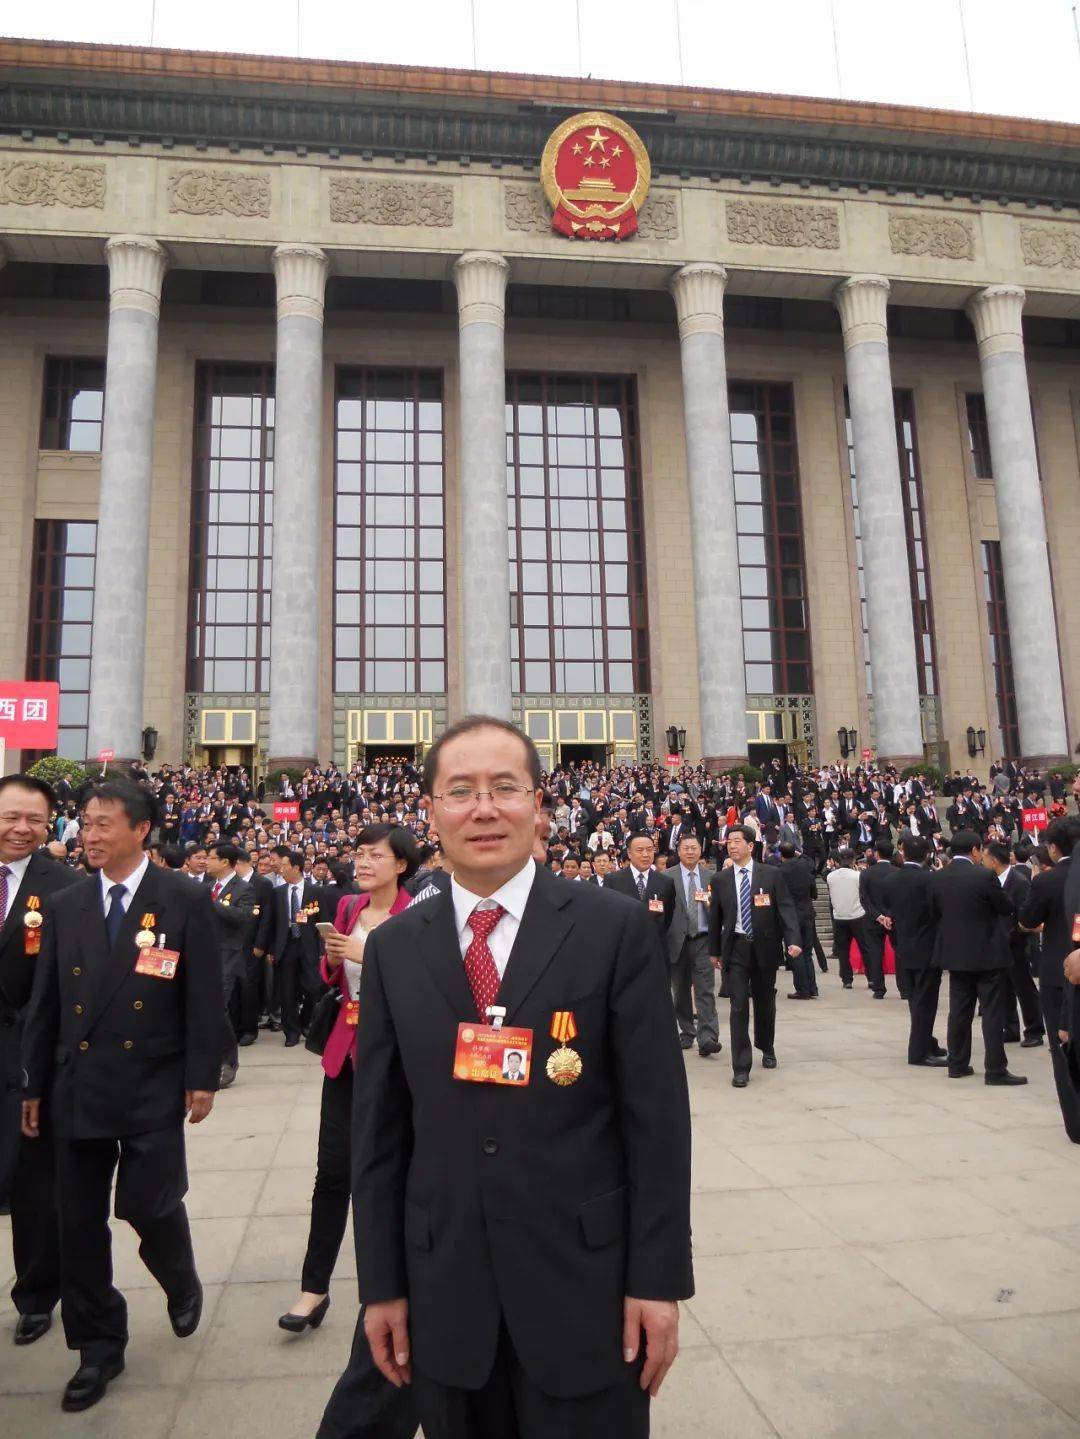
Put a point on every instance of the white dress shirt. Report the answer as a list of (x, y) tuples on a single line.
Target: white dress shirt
[(739, 870), (14, 880), (513, 897), (131, 884)]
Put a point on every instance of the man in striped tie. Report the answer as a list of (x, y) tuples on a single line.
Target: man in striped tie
[(752, 920)]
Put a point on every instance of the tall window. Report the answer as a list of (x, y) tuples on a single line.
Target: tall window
[(979, 437), (389, 544), (768, 521), (997, 622), (915, 533), (73, 404), (578, 620), (231, 524), (62, 622)]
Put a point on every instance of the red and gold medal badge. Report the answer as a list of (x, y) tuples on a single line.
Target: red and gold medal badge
[(595, 172), (32, 925), (564, 1064)]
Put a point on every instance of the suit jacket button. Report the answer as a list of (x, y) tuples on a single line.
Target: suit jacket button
[(128, 1044), (76, 971), (84, 1044), (78, 1009), (490, 1146), (138, 1004)]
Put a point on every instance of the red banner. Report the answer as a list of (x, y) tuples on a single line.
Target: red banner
[(287, 811), (1034, 819), (29, 714), (672, 761)]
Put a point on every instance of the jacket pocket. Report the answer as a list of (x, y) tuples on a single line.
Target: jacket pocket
[(603, 1219), (417, 1226)]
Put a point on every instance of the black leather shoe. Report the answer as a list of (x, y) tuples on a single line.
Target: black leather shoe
[(847, 986), (823, 966), (184, 1315), (936, 1051), (1031, 1041), (740, 1081), (1011, 1038), (1006, 1078), (710, 1046), (88, 1384), (686, 1041), (297, 1323), (292, 1039), (879, 994), (246, 1039), (800, 996), (768, 1061), (960, 1073), (32, 1326), (932, 1061)]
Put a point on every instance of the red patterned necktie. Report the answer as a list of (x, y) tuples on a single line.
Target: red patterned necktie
[(216, 890), (480, 968)]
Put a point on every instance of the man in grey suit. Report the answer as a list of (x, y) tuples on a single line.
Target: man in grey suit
[(688, 949)]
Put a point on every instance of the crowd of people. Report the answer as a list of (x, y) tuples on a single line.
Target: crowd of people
[(726, 873)]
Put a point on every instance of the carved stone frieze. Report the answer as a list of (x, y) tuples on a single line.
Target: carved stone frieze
[(1051, 246), (793, 226), (524, 208), (945, 237), (659, 218), (52, 182), (220, 192), (354, 201)]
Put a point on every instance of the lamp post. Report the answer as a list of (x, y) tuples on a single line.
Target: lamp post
[(976, 741), (848, 738), (149, 742)]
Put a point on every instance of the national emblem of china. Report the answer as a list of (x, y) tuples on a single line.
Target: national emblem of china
[(595, 172)]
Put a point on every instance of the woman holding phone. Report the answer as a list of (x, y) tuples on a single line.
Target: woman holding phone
[(387, 856)]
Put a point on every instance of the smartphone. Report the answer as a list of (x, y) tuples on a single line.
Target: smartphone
[(325, 929)]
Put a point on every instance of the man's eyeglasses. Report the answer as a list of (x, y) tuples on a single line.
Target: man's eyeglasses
[(503, 796)]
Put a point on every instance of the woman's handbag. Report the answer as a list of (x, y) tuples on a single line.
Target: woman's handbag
[(323, 1018)]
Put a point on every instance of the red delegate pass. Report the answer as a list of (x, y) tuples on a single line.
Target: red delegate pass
[(486, 1055)]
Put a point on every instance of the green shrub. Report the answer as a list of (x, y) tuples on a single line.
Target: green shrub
[(1066, 771), (925, 771), (748, 772), (51, 768)]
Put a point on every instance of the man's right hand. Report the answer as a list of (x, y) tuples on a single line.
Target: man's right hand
[(387, 1329), (31, 1118)]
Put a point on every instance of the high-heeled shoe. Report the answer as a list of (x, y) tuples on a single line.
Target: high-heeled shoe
[(297, 1323)]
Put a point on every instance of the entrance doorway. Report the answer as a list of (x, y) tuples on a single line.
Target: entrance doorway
[(762, 756), (395, 753), (577, 754), (230, 757)]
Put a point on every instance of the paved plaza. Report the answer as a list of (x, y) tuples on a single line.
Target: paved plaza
[(878, 1250)]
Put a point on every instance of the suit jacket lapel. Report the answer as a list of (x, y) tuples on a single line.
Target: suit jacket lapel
[(25, 889), (441, 953), (111, 967), (544, 926)]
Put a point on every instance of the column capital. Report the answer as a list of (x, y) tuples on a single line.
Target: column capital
[(995, 312), (861, 302), (481, 277), (300, 275), (698, 292), (137, 266)]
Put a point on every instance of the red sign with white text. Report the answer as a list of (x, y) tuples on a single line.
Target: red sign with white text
[(672, 761), (868, 754), (287, 811), (105, 755), (29, 714), (1034, 819)]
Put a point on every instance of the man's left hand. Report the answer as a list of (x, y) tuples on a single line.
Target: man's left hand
[(1072, 967), (659, 1318), (197, 1104), (793, 951)]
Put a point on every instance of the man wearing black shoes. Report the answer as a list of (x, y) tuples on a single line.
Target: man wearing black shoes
[(913, 932), (123, 1038), (967, 902)]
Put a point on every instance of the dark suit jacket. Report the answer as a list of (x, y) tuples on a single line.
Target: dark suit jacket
[(775, 924), (658, 886), (801, 884), (544, 1205), (914, 926), (1017, 886), (111, 1052), (44, 877), (1045, 905), (263, 891), (234, 921), (308, 942), (966, 902), (875, 889)]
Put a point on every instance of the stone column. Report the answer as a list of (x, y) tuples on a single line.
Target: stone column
[(136, 269), (897, 724), (698, 291), (300, 273), (481, 280), (995, 312)]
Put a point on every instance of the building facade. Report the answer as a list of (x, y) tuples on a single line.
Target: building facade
[(315, 434)]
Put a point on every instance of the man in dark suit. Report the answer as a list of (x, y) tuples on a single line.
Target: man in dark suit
[(1019, 981), (256, 946), (874, 885), (233, 905), (29, 877), (1045, 906), (123, 1037), (550, 1206), (688, 950), (751, 921), (966, 902), (296, 947), (802, 886), (640, 881), (913, 932)]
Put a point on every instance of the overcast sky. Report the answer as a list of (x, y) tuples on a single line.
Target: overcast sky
[(1016, 57)]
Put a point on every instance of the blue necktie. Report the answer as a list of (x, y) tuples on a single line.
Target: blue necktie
[(114, 918), (745, 911)]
